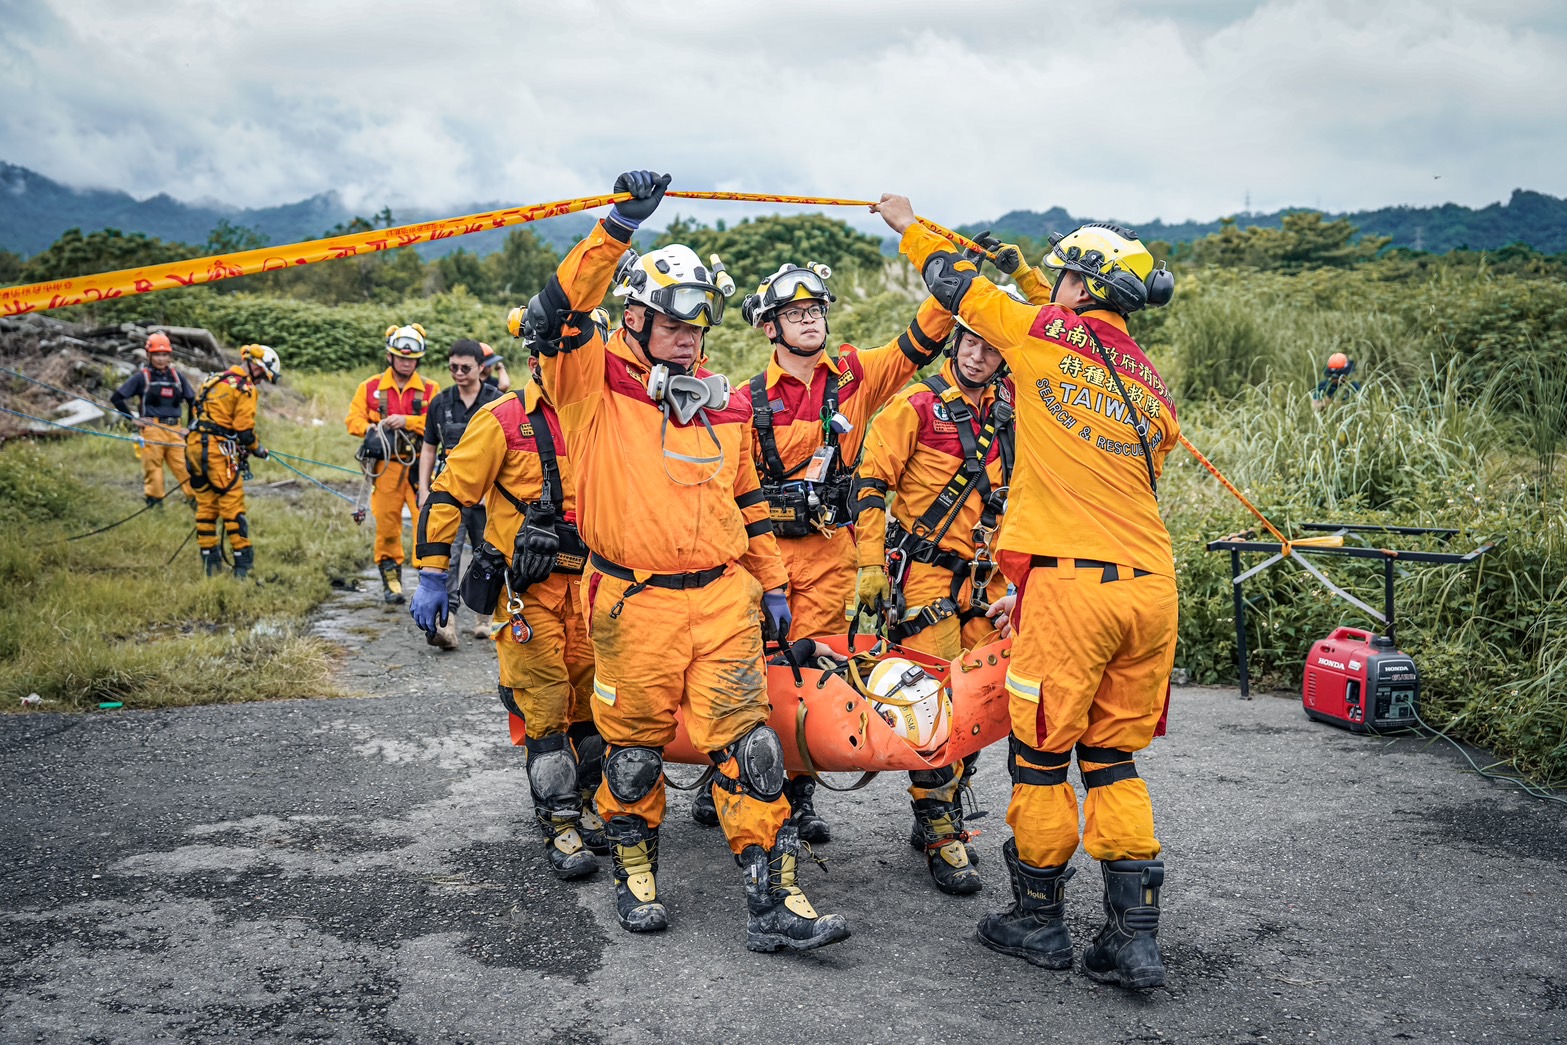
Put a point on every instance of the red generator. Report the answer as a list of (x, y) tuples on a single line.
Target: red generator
[(1357, 680)]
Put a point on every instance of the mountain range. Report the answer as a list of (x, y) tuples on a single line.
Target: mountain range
[(34, 210)]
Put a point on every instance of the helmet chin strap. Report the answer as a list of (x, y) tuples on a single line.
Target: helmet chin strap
[(803, 353), (966, 383), (645, 335)]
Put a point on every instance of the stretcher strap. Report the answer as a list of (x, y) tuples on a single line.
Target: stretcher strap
[(702, 780), (810, 766)]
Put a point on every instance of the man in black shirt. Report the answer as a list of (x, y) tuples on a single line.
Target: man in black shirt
[(446, 419), (164, 394)]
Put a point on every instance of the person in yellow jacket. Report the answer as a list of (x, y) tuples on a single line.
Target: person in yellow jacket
[(222, 435), (810, 411), (684, 566), (1096, 613), (513, 459), (943, 451), (388, 412)]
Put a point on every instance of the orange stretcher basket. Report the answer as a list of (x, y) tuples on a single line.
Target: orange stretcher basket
[(828, 727)]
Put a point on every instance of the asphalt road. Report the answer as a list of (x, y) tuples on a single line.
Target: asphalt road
[(366, 870)]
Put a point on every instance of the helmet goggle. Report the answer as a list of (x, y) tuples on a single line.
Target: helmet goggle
[(696, 303), (405, 345)]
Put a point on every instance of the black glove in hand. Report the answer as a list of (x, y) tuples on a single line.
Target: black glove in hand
[(1007, 257), (646, 189), (533, 556), (261, 452)]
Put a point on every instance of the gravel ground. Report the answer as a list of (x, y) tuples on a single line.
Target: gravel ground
[(366, 870)]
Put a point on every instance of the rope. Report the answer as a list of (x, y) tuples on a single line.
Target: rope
[(87, 431), (67, 392), (313, 479), (1283, 540), (306, 460), (128, 518)]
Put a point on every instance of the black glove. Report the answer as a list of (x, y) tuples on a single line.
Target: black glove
[(646, 190), (533, 556), (261, 452), (1005, 256)]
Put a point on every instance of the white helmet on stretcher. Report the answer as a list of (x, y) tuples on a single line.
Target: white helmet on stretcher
[(912, 702)]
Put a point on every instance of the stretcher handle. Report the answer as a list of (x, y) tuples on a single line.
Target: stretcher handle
[(810, 766)]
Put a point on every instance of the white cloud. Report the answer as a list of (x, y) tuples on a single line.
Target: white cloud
[(971, 108)]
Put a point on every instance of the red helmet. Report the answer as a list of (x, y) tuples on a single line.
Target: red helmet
[(158, 341), (1338, 361)]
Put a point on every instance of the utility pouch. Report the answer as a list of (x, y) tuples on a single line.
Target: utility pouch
[(484, 579), (373, 448), (789, 509)]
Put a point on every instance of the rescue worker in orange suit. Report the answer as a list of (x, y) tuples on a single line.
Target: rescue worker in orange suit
[(1090, 556), (513, 459), (809, 412), (222, 435), (388, 412), (943, 450), (684, 565), (164, 394)]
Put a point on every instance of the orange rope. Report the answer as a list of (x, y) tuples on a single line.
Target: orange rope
[(1237, 494)]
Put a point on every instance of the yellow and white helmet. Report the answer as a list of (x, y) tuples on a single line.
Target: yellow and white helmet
[(912, 701), (789, 283), (1117, 269), (673, 280), (407, 341), (265, 357)]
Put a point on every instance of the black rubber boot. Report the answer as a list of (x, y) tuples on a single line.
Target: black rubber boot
[(244, 559), (590, 772), (1126, 951), (212, 558), (154, 502), (942, 838), (552, 781), (1032, 928), (634, 847), (703, 809), (391, 582), (780, 917), (802, 812)]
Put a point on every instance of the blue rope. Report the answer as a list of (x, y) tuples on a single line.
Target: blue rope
[(88, 431), (323, 464), (318, 482), (74, 395)]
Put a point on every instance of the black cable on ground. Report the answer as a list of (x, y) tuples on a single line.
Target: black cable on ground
[(128, 518), (1533, 790)]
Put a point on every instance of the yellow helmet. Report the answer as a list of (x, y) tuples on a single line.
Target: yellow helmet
[(264, 357), (407, 341), (673, 280), (789, 283), (1117, 269)]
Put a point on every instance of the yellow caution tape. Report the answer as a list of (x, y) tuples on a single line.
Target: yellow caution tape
[(106, 286)]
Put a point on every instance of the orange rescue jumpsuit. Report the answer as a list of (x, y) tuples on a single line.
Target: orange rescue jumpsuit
[(377, 398), (913, 451), (821, 567), (225, 411), (642, 509), (550, 675), (1084, 543)]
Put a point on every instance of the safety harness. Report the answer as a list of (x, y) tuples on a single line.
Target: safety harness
[(922, 542), (798, 507), (229, 439), (159, 397), (572, 558)]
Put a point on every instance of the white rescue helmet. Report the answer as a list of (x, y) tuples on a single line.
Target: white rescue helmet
[(265, 357), (673, 280), (407, 341), (912, 701)]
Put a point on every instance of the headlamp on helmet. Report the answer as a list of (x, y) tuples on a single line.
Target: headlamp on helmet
[(407, 341), (673, 281), (264, 357), (1117, 269), (789, 284)]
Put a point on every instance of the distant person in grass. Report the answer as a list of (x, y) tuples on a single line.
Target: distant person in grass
[(445, 421), (1335, 379)]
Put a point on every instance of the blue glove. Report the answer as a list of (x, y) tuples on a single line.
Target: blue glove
[(430, 608), (646, 190), (775, 611)]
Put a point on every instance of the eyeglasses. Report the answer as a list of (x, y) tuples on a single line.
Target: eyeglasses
[(459, 368), (802, 315)]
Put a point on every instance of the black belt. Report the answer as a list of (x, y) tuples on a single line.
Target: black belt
[(678, 581), (1112, 572), (172, 422)]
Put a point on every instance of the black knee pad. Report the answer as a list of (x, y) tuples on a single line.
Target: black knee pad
[(633, 772), (243, 524), (760, 757), (552, 771)]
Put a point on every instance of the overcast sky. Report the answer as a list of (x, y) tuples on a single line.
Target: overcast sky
[(1172, 110)]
